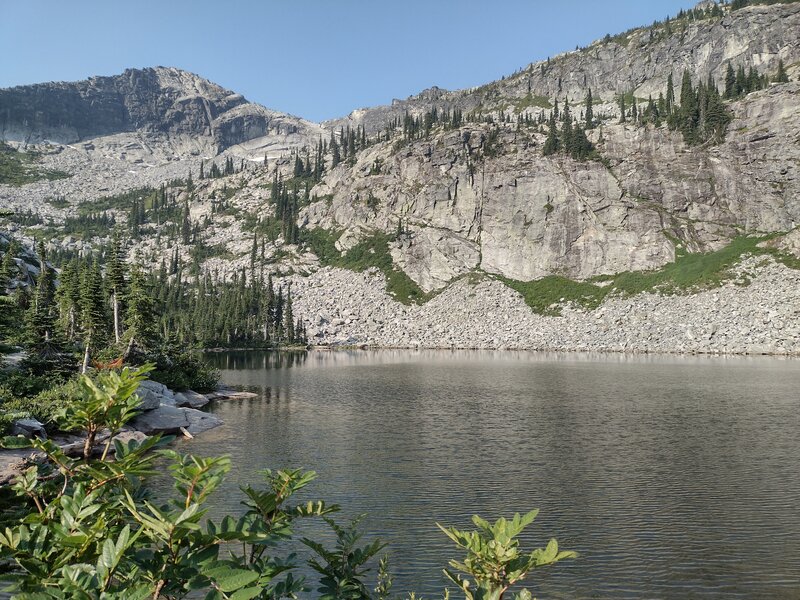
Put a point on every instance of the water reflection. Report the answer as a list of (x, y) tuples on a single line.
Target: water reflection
[(675, 477), (257, 360)]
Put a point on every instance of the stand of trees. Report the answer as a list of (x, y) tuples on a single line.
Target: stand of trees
[(571, 138), (106, 306)]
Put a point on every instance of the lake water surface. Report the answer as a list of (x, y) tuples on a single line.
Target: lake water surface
[(674, 477)]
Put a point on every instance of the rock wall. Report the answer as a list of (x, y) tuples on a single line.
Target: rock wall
[(509, 210)]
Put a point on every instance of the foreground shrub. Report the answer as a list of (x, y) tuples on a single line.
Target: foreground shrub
[(88, 528)]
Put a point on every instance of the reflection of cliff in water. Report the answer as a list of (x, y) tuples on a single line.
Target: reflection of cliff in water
[(251, 359)]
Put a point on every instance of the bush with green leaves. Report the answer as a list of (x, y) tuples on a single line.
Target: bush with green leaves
[(91, 530), (44, 406), (494, 559), (183, 370), (342, 568), (87, 527)]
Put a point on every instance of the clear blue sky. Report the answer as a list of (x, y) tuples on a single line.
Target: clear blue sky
[(318, 59)]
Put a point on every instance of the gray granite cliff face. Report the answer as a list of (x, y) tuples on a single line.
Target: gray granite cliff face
[(160, 100), (523, 215)]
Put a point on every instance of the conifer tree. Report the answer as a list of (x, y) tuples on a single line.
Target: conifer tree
[(140, 318), (115, 279), (741, 81), (551, 144), (336, 157), (68, 295), (781, 76), (254, 252), (670, 99), (6, 266), (689, 110), (41, 318), (186, 227), (289, 318), (730, 82), (93, 319), (589, 110), (566, 130)]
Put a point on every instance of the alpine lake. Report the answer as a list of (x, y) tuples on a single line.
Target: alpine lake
[(672, 476)]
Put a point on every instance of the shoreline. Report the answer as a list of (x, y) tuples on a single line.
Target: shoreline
[(635, 352), (162, 411)]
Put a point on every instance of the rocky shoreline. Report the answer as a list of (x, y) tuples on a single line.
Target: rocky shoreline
[(163, 411), (755, 312)]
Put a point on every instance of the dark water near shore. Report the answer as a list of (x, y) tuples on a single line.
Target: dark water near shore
[(673, 477)]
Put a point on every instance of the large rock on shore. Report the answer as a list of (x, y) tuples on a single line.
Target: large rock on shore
[(153, 394), (172, 419)]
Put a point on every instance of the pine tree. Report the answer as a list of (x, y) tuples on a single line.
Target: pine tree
[(140, 318), (670, 99), (6, 266), (68, 295), (716, 116), (730, 82), (781, 76), (186, 226), (254, 252), (551, 144), (741, 81), (288, 316), (589, 110), (336, 157), (93, 318), (41, 317), (689, 110), (115, 279)]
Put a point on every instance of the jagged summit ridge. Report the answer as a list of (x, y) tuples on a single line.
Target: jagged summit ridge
[(156, 100), (637, 62)]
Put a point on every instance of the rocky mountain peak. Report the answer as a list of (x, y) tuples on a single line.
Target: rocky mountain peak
[(164, 101)]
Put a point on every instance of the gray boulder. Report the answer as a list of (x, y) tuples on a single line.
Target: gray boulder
[(171, 419), (154, 394), (30, 428), (190, 399), (200, 421), (126, 436)]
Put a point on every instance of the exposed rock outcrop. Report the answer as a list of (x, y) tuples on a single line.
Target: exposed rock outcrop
[(165, 101), (517, 213)]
